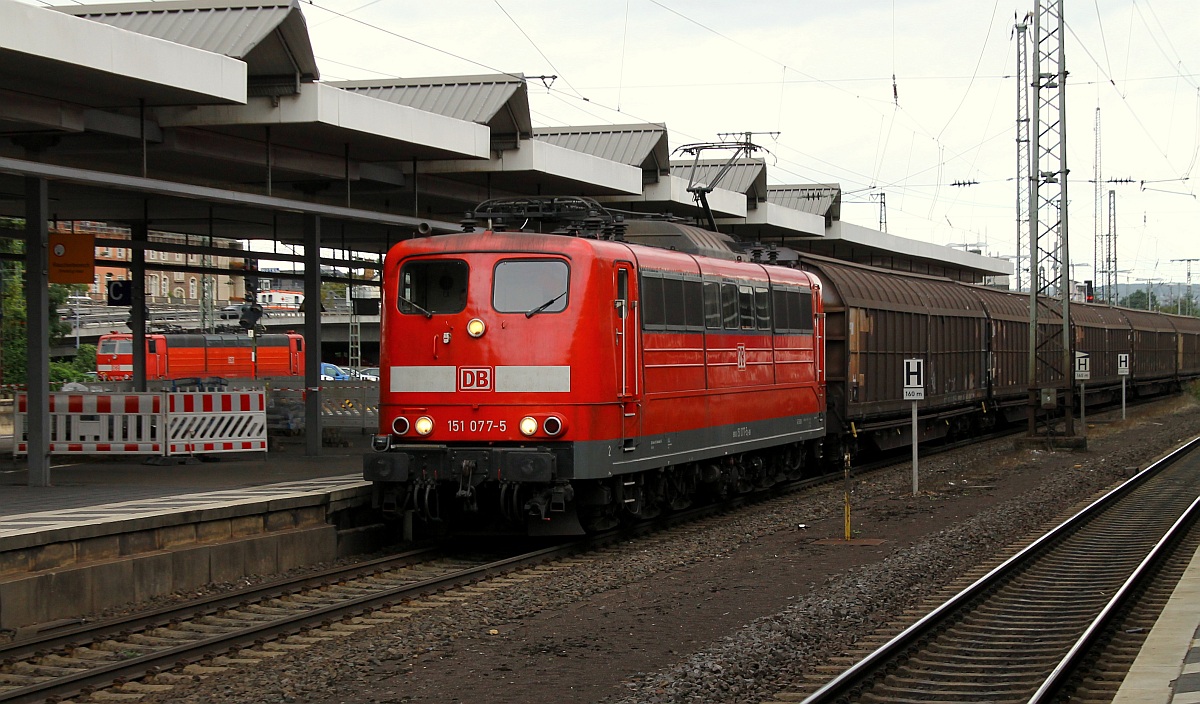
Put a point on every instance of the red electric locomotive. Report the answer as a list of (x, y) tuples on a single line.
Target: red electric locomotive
[(566, 380), (186, 355)]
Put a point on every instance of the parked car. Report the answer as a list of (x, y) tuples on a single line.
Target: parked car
[(367, 373), (332, 372)]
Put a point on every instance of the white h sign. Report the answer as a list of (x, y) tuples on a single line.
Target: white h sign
[(1083, 366), (1123, 364), (914, 380)]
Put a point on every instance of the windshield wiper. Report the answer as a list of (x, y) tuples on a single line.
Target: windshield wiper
[(544, 306), (414, 305)]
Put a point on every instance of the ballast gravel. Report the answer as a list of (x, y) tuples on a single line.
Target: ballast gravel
[(730, 609)]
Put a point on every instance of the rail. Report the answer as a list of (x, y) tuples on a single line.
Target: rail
[(865, 675)]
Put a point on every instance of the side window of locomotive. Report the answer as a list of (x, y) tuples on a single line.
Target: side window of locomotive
[(673, 303), (433, 285), (779, 300), (670, 302), (693, 305), (729, 306), (530, 286), (793, 311), (653, 312), (622, 293), (712, 304), (805, 324), (746, 306), (762, 308), (152, 346)]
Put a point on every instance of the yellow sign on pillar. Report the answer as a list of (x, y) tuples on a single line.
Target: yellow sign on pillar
[(72, 258)]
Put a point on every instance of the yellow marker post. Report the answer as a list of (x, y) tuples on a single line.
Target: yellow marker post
[(846, 471)]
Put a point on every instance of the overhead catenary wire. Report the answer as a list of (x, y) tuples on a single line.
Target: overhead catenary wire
[(952, 159), (537, 48)]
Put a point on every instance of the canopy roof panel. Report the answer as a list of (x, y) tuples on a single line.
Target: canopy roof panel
[(102, 67), (747, 176), (499, 101), (271, 37), (641, 145)]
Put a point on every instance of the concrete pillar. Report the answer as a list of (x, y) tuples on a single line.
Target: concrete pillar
[(312, 334), (137, 311), (37, 311)]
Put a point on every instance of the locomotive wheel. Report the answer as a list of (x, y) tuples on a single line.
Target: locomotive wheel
[(598, 518)]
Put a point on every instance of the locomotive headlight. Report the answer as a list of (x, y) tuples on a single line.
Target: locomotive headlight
[(424, 425), (475, 327), (552, 426), (400, 425), (528, 425)]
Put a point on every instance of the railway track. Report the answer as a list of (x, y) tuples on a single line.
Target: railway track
[(148, 652), (1046, 624)]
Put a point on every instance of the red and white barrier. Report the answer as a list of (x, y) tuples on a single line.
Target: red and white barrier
[(149, 423), (206, 422), (97, 424)]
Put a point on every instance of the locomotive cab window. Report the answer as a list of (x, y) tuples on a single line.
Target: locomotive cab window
[(530, 286), (433, 286), (116, 347)]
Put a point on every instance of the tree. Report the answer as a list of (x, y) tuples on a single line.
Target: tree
[(14, 321), (1137, 300), (332, 291), (75, 369)]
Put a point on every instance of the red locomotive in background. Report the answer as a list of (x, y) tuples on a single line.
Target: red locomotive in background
[(610, 370), (187, 355), (581, 379)]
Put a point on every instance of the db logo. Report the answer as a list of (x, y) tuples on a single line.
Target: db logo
[(475, 379), (741, 356)]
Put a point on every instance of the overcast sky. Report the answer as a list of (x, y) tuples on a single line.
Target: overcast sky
[(820, 74)]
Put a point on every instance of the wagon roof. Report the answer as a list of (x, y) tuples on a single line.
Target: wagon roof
[(864, 286)]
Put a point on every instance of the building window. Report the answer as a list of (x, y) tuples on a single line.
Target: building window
[(192, 287)]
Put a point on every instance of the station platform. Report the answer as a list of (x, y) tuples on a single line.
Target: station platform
[(1167, 669), (114, 530)]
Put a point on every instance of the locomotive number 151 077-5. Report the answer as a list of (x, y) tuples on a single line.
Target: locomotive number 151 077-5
[(476, 426)]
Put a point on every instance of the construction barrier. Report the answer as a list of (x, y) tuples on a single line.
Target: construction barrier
[(161, 423), (97, 424), (208, 422)]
